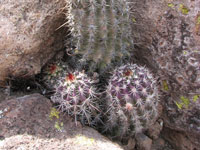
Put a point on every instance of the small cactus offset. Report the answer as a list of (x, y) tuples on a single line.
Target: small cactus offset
[(52, 72), (132, 99), (76, 95), (100, 29)]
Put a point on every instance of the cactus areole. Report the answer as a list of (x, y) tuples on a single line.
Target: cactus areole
[(70, 77)]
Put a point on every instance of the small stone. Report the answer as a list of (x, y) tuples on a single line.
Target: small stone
[(130, 145), (158, 144), (154, 131), (143, 142)]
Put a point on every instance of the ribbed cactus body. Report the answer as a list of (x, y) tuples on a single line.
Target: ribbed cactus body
[(76, 95), (132, 100), (100, 28)]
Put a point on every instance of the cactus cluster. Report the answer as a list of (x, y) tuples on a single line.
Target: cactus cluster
[(132, 100), (130, 103), (100, 29), (76, 94), (101, 34)]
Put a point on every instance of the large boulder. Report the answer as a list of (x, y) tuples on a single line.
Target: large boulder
[(167, 37), (30, 122), (29, 35)]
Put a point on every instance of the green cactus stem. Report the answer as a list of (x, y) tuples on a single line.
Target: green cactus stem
[(101, 29)]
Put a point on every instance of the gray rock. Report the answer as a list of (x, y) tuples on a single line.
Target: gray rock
[(29, 35), (143, 142), (30, 122), (168, 37), (155, 129), (181, 140), (131, 144)]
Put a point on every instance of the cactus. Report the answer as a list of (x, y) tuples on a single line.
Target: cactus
[(76, 94), (100, 29), (52, 72), (132, 99)]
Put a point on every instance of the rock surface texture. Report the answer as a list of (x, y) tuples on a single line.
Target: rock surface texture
[(168, 34), (28, 35), (30, 122)]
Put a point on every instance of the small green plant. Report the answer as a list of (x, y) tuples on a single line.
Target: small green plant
[(195, 98), (165, 85), (170, 5), (58, 125), (184, 10), (185, 102), (198, 20), (54, 113)]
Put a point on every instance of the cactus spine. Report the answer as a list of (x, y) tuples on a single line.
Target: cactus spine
[(76, 94), (100, 29), (132, 100)]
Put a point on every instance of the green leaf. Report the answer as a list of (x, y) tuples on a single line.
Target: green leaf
[(198, 20), (195, 98), (57, 125), (134, 20), (54, 113), (165, 86), (184, 10), (185, 101), (170, 5), (179, 105)]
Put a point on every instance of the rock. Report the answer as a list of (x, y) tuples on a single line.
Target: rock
[(160, 141), (30, 122), (169, 35), (29, 35), (161, 144), (158, 144), (131, 144), (154, 131), (180, 140), (143, 142)]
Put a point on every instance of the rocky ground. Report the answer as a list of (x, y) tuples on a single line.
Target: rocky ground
[(166, 37), (30, 122)]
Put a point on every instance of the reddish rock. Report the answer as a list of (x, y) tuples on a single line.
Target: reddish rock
[(181, 140), (143, 142), (131, 144), (167, 41), (154, 131), (29, 35), (30, 122)]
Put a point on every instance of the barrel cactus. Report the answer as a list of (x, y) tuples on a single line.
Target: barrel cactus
[(76, 94), (52, 72), (100, 29), (132, 99)]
